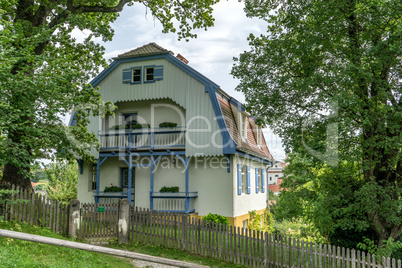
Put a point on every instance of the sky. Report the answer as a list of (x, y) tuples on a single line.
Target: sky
[(211, 53)]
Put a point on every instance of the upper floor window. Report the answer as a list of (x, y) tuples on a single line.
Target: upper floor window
[(260, 183), (149, 74), (143, 74), (244, 179), (136, 76), (259, 136), (244, 126)]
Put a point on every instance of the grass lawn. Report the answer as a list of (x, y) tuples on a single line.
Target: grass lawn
[(19, 253)]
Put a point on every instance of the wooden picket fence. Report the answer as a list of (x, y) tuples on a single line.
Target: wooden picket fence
[(242, 246), (36, 209), (231, 244)]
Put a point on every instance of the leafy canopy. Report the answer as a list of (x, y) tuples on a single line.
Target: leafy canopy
[(44, 72), (327, 77)]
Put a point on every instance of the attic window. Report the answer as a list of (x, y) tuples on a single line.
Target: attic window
[(259, 134), (243, 130), (149, 74), (137, 75)]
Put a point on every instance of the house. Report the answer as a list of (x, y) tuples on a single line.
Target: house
[(174, 128), (275, 173)]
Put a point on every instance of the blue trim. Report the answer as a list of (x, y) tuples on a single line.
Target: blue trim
[(263, 179), (248, 180), (256, 181), (238, 104), (130, 177), (229, 146), (151, 183), (253, 157), (239, 188)]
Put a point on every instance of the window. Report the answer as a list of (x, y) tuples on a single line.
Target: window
[(136, 76), (146, 74), (259, 134), (124, 177), (276, 176), (149, 73), (244, 179), (129, 120), (270, 178), (92, 178), (243, 126), (260, 183)]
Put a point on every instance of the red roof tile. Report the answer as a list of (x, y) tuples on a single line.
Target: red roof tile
[(250, 146)]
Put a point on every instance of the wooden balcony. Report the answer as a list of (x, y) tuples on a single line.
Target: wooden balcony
[(143, 139)]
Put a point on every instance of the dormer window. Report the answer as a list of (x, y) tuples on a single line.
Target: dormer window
[(243, 130), (259, 136), (149, 74)]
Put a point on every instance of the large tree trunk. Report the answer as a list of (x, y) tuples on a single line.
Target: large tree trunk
[(13, 175)]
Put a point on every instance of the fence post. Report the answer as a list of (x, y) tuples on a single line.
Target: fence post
[(124, 220), (74, 218)]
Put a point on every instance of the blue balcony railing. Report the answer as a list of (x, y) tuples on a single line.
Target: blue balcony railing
[(145, 138)]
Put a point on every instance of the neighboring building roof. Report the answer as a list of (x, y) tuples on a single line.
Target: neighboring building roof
[(149, 49), (250, 146), (276, 187)]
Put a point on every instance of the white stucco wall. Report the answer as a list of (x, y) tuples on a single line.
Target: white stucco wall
[(254, 201)]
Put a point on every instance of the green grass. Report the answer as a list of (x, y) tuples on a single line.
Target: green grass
[(169, 253), (18, 253)]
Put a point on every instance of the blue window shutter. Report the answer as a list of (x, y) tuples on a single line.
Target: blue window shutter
[(127, 76), (239, 179), (158, 72), (256, 180), (263, 179), (248, 180)]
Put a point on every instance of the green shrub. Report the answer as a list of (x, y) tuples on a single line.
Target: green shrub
[(216, 218), (167, 124), (173, 189), (113, 189)]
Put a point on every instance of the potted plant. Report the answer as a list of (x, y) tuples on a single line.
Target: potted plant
[(174, 190), (168, 124), (113, 189)]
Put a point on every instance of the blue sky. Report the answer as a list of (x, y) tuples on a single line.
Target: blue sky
[(211, 53)]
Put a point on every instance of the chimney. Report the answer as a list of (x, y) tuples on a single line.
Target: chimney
[(183, 59)]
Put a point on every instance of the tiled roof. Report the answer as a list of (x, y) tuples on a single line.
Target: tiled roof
[(276, 187), (150, 49), (250, 146)]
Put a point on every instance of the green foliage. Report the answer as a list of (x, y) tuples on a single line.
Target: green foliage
[(173, 189), (44, 73), (167, 124), (216, 218), (261, 222), (62, 181), (112, 188), (385, 250), (297, 228), (273, 201), (327, 77), (5, 198)]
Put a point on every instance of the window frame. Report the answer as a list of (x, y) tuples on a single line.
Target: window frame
[(133, 69), (244, 179), (260, 181), (122, 170), (94, 173)]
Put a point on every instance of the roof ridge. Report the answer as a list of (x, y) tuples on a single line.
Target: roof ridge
[(148, 49)]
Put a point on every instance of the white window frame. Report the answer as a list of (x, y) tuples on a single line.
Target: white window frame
[(136, 75), (146, 73), (244, 179), (243, 127)]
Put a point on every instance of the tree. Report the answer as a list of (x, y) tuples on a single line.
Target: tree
[(44, 72), (63, 181), (327, 78)]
